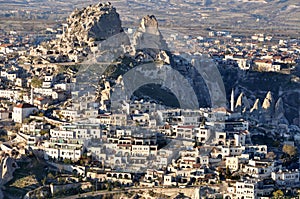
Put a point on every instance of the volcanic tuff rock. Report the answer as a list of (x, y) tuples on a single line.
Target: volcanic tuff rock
[(8, 166), (148, 35), (256, 106), (149, 40), (242, 103), (94, 23), (84, 30), (267, 104)]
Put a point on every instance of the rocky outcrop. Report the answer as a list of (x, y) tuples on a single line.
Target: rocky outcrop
[(41, 192), (239, 101), (93, 23), (242, 103), (148, 41), (148, 36), (8, 166), (268, 101), (279, 112), (255, 107), (84, 30)]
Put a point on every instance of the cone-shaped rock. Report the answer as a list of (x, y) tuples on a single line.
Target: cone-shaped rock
[(256, 106), (267, 104), (148, 36), (279, 110)]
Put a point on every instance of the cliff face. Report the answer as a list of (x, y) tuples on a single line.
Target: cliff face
[(8, 166), (148, 36), (93, 23), (82, 33)]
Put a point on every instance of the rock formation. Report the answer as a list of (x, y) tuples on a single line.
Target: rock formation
[(279, 112), (8, 166), (242, 103), (94, 23), (268, 101), (256, 106), (82, 33), (149, 40), (148, 35)]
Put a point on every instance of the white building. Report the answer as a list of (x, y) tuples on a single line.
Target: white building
[(202, 133), (63, 149), (232, 163), (185, 132), (22, 111), (9, 94), (259, 168), (245, 190), (286, 177)]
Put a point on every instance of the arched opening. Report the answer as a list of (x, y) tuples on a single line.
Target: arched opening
[(158, 93)]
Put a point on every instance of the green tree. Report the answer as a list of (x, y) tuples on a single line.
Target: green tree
[(196, 144), (109, 186), (36, 82), (44, 131), (67, 161), (50, 176), (290, 150), (228, 173), (278, 194)]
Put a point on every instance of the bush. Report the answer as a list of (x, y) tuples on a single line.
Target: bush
[(36, 82), (67, 161)]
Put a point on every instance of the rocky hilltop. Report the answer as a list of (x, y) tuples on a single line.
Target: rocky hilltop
[(93, 23), (82, 32)]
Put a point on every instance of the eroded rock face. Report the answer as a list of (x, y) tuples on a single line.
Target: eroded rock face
[(83, 32), (256, 106), (242, 103), (279, 112), (8, 166), (148, 39), (94, 23), (239, 101), (267, 104)]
